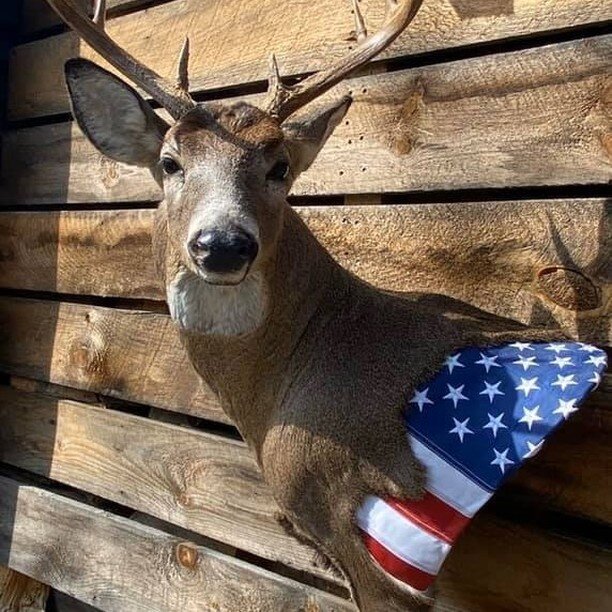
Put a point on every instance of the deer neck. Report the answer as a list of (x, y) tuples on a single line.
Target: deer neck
[(301, 288)]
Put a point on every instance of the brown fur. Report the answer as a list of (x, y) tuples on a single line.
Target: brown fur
[(318, 393), (319, 386)]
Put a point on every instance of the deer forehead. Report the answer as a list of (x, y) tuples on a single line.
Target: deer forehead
[(236, 130)]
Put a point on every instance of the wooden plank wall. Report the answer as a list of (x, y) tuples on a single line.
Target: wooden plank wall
[(122, 483)]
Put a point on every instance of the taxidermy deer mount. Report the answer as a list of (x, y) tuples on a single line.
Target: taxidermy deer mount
[(319, 370)]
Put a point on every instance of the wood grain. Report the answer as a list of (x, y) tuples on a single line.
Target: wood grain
[(37, 15), (113, 563), (117, 564), (489, 254), (19, 593), (302, 39), (132, 355), (202, 482), (537, 117), (128, 354), (212, 486)]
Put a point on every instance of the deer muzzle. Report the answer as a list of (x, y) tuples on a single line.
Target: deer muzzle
[(223, 256)]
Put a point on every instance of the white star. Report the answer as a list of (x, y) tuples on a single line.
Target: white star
[(558, 347), (461, 428), (453, 362), (491, 390), (526, 362), (566, 408), (530, 416), (527, 385), (588, 348), (488, 362), (455, 394), (596, 379), (495, 423), (564, 381), (562, 361), (420, 398), (596, 361), (522, 346), (501, 459), (534, 449)]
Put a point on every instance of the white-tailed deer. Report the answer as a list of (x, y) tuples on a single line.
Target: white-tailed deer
[(321, 372)]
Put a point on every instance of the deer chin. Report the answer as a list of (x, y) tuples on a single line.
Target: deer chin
[(200, 306)]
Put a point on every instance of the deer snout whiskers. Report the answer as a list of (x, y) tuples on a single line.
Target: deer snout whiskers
[(223, 256)]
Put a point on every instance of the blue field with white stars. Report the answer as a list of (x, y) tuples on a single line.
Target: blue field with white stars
[(490, 409)]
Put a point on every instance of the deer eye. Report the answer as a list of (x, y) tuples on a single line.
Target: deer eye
[(279, 171), (169, 166)]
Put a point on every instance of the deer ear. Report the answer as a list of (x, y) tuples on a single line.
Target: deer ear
[(117, 121), (306, 137)]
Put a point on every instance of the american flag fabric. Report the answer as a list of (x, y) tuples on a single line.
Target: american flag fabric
[(472, 426)]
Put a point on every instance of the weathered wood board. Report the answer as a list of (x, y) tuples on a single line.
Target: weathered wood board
[(37, 15), (19, 593), (231, 40), (499, 256), (117, 564), (211, 485), (127, 354), (132, 355), (538, 117)]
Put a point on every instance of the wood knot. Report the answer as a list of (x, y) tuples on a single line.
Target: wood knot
[(405, 129), (88, 352), (187, 556), (568, 288), (109, 171), (184, 499)]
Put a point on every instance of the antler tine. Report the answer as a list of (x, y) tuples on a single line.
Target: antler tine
[(173, 98), (182, 79), (285, 100), (99, 16), (361, 31)]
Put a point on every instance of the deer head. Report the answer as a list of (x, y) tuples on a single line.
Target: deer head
[(226, 169)]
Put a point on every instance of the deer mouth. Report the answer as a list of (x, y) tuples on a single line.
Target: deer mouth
[(227, 279)]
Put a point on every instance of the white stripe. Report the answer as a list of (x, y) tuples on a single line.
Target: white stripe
[(402, 537), (448, 483)]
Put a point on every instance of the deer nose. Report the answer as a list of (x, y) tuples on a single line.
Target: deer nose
[(222, 252)]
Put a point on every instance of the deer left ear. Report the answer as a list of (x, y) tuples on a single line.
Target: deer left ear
[(306, 137), (113, 116)]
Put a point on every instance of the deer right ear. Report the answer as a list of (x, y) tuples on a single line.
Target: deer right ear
[(306, 137), (115, 118)]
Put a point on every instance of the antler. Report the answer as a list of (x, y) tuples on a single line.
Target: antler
[(285, 100), (174, 98)]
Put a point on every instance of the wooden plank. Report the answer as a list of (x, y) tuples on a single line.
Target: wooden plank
[(37, 15), (303, 40), (212, 486), (49, 251), (201, 482), (402, 248), (498, 566), (19, 593), (128, 354), (132, 355), (117, 564), (536, 117)]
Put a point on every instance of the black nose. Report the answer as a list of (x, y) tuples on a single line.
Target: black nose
[(222, 252)]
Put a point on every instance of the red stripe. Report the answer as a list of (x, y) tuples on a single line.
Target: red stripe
[(398, 568), (432, 515)]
